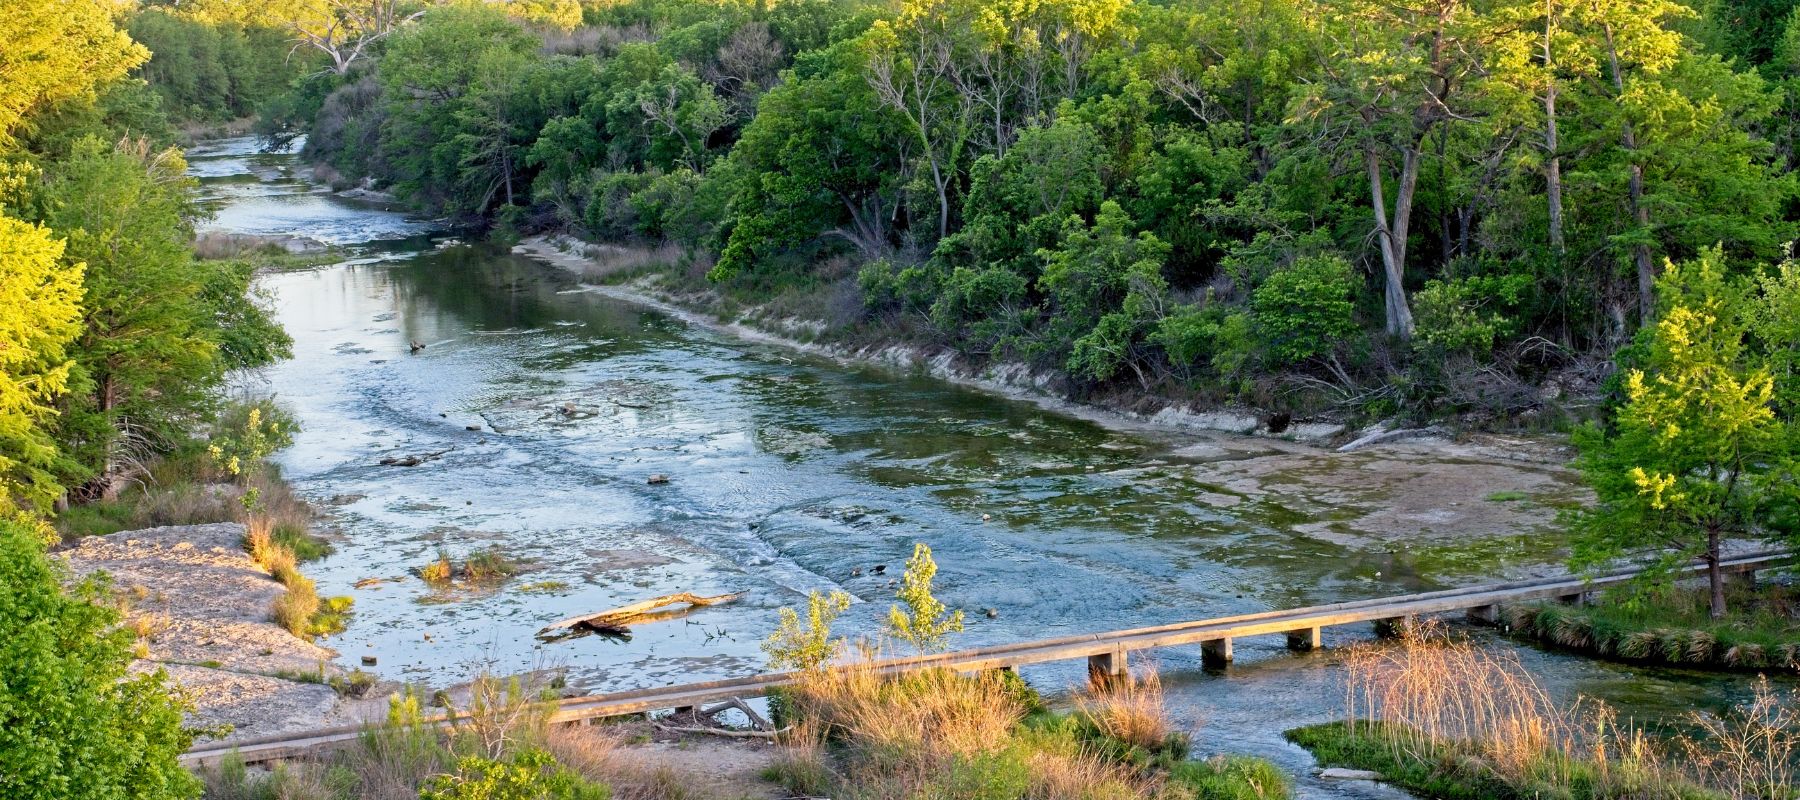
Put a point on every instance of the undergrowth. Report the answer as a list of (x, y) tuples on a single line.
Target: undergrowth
[(1672, 625)]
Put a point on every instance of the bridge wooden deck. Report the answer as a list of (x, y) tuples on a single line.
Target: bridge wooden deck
[(1107, 652)]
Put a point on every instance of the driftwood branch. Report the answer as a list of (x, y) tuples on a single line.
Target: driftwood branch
[(619, 618), (722, 732)]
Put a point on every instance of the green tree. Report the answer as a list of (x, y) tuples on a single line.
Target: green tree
[(147, 357), (58, 50), (925, 623), (1104, 286), (1696, 453), (40, 314), (74, 723)]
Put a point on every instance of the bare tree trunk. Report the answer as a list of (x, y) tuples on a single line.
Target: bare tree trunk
[(1391, 237), (1646, 269), (1713, 576), (1553, 160)]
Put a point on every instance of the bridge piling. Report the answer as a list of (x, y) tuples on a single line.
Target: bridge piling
[(1304, 640), (1216, 653)]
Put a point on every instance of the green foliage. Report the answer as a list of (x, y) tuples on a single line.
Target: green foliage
[(39, 318), (1305, 310), (212, 71), (1231, 778), (1104, 286), (1456, 315), (529, 774), (925, 623), (73, 723), (807, 645), (1697, 451)]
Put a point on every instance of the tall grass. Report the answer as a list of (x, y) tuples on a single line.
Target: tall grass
[(865, 735), (1449, 718)]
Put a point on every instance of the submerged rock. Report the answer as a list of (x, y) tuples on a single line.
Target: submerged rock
[(1342, 774)]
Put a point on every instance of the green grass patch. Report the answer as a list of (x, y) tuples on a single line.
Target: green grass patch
[(1507, 496), (1461, 771), (1672, 625)]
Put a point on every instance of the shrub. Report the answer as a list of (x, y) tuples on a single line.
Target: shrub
[(1454, 315), (807, 646), (528, 775), (925, 623), (1304, 310), (74, 725), (294, 608)]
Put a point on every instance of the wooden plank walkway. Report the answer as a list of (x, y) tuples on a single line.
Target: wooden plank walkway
[(1106, 652)]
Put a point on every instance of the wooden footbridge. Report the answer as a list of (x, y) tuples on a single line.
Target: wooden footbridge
[(1106, 652)]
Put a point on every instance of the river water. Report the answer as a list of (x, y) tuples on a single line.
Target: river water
[(790, 474)]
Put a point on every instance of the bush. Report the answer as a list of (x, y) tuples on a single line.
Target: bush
[(295, 608), (528, 775), (73, 724), (1453, 316), (1304, 310)]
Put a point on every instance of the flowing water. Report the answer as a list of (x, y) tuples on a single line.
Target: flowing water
[(544, 408)]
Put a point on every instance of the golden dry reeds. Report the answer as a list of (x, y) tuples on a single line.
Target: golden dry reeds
[(1439, 695), (1130, 711)]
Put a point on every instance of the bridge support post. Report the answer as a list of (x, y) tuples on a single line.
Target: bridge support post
[(1486, 615), (1395, 627), (1304, 640), (1105, 669), (1216, 653)]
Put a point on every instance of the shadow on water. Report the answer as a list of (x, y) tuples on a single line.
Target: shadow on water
[(552, 407)]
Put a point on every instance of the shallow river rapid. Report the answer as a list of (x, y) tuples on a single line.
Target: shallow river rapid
[(789, 474)]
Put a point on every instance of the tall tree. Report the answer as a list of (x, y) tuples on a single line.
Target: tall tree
[(58, 50), (40, 314), (1697, 453), (1393, 74), (146, 359)]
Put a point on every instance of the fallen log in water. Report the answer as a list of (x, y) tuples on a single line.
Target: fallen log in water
[(616, 620)]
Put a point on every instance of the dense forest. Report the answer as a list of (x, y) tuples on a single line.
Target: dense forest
[(1419, 208)]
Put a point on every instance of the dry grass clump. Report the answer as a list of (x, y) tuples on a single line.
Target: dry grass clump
[(858, 733), (294, 609), (1448, 718), (1129, 711), (1752, 751), (440, 571), (597, 755)]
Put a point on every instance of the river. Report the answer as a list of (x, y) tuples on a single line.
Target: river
[(791, 473)]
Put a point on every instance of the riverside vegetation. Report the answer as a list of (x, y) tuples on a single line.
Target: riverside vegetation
[(1496, 210)]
